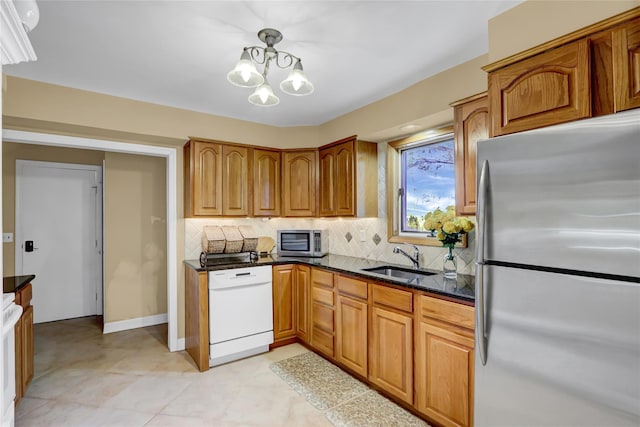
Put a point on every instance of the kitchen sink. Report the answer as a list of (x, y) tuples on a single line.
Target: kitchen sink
[(398, 272)]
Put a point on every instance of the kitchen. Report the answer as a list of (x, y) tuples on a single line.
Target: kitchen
[(458, 83)]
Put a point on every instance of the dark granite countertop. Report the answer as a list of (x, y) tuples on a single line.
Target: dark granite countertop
[(15, 283), (462, 288)]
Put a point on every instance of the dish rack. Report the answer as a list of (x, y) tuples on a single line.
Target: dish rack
[(227, 241)]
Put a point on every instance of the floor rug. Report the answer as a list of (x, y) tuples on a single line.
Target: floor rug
[(345, 401)]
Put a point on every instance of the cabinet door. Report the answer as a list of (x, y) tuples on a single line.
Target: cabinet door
[(27, 348), (391, 353), (471, 124), (351, 334), (327, 160), (303, 302), (283, 303), (299, 180), (266, 183), (235, 179), (626, 57), (205, 178), (547, 89), (444, 375), (344, 185)]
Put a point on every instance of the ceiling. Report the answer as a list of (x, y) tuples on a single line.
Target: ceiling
[(177, 53)]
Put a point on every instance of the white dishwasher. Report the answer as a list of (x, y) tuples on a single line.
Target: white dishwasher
[(240, 313)]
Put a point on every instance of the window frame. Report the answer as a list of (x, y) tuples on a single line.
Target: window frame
[(394, 180)]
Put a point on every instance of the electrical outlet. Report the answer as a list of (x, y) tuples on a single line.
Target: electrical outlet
[(7, 237)]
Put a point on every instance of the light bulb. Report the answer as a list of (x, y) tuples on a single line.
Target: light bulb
[(264, 95)]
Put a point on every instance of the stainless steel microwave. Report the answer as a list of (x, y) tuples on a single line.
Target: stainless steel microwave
[(304, 243)]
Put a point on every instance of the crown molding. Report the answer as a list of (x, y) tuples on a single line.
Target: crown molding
[(15, 45)]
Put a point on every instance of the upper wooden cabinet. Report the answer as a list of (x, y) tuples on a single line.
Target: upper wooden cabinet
[(235, 181), (266, 183), (591, 72), (348, 178), (299, 183), (202, 179), (216, 179), (546, 89), (626, 56), (471, 117)]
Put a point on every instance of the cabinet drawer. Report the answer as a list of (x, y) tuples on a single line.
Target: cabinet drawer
[(321, 295), (394, 298), (322, 278), (23, 296), (353, 287), (450, 312), (322, 341), (322, 317)]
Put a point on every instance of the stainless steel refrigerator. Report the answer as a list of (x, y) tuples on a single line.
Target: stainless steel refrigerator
[(558, 276)]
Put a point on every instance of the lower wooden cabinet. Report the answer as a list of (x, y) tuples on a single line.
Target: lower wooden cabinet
[(303, 302), (444, 362), (352, 324), (284, 326), (291, 303), (322, 312), (391, 345), (24, 343)]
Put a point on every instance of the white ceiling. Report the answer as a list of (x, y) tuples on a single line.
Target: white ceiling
[(177, 53)]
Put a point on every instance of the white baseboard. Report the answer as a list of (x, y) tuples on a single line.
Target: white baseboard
[(180, 345), (140, 322)]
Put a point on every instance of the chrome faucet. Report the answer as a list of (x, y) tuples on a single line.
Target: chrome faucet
[(415, 259)]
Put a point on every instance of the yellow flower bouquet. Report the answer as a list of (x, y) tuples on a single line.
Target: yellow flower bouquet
[(448, 227)]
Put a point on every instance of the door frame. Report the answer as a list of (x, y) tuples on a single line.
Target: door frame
[(99, 212), (171, 156)]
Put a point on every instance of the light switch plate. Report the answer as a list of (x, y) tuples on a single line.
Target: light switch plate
[(7, 237), (363, 237)]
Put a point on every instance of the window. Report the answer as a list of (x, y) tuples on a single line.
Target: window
[(420, 179)]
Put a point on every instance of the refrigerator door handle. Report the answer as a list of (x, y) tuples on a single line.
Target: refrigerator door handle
[(481, 218)]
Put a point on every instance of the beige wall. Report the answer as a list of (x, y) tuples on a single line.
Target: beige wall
[(135, 236), (537, 21), (12, 152)]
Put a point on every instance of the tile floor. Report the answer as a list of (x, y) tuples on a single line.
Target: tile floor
[(84, 378)]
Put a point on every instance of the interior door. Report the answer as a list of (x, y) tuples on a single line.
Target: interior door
[(59, 237)]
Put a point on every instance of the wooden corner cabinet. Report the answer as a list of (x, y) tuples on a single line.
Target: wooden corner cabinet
[(303, 302), (471, 124), (348, 178), (24, 342), (299, 183), (444, 361), (590, 72)]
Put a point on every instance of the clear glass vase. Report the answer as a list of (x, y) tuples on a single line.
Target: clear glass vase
[(450, 264)]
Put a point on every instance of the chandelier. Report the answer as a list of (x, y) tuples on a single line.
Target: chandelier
[(245, 73)]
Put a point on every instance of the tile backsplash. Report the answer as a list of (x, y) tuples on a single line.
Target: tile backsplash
[(357, 237)]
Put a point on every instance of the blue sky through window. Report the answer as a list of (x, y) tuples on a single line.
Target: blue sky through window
[(428, 177)]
